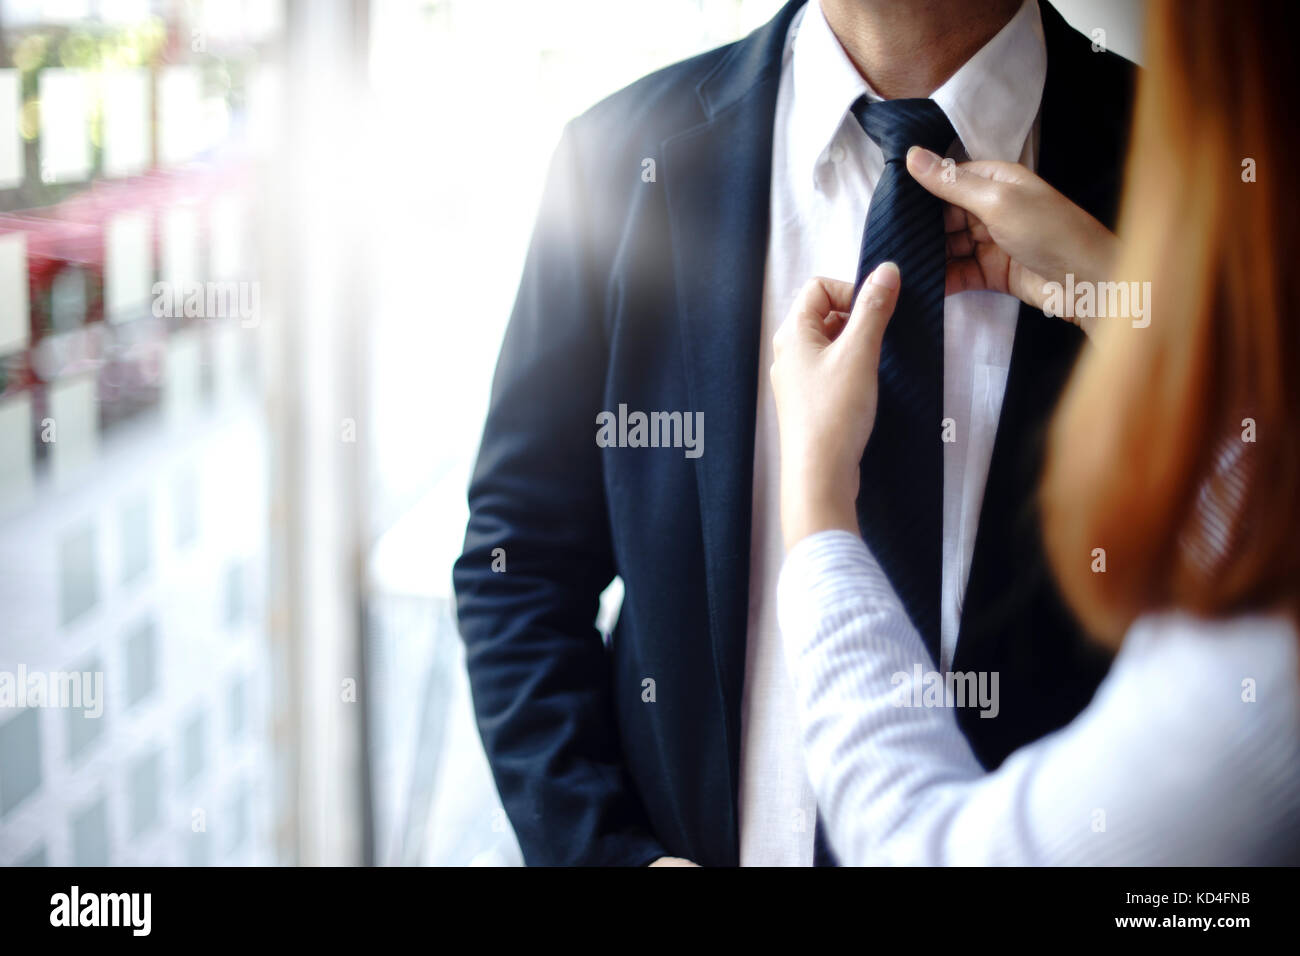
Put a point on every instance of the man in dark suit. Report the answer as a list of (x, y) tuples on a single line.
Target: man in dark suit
[(647, 294)]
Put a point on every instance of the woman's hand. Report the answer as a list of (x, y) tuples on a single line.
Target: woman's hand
[(824, 380), (1009, 231)]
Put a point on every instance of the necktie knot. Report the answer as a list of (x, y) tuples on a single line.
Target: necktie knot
[(897, 125)]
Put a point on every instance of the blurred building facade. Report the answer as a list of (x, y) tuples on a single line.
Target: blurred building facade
[(134, 493)]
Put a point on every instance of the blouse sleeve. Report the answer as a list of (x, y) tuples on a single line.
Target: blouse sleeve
[(1188, 754)]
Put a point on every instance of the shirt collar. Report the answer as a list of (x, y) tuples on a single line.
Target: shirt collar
[(825, 83), (992, 100)]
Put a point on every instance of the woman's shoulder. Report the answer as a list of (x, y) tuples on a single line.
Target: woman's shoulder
[(1200, 719), (1217, 666), (1272, 634)]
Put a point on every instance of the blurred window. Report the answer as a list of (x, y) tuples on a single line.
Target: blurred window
[(133, 445)]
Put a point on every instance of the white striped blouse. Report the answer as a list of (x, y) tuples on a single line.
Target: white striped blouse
[(1188, 754)]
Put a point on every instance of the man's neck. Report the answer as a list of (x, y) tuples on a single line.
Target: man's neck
[(907, 48)]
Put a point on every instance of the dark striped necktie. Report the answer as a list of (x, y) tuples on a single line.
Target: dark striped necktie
[(900, 498)]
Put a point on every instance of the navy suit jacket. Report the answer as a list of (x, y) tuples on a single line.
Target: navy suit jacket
[(648, 294)]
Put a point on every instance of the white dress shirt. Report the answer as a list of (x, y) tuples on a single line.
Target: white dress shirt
[(824, 169), (1188, 754)]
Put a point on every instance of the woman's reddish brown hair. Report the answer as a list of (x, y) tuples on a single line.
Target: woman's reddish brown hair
[(1148, 458)]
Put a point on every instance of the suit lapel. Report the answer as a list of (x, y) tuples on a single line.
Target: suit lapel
[(717, 180), (1008, 565)]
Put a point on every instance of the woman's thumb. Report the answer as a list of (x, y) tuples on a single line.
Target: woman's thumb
[(967, 185), (874, 306)]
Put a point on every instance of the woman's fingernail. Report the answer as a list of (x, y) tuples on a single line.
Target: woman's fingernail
[(921, 159), (885, 275)]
